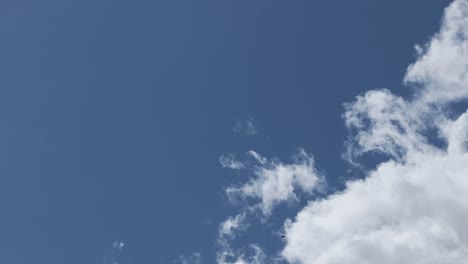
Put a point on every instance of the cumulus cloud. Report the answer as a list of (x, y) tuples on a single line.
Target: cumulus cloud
[(402, 213), (246, 127), (411, 208), (441, 70), (383, 122), (275, 182)]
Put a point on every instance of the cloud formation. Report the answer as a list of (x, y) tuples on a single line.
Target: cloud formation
[(228, 228), (228, 161), (272, 183), (441, 69), (275, 182), (227, 232), (411, 208), (255, 255)]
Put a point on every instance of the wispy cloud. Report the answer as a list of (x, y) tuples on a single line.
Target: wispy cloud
[(255, 255), (274, 182), (246, 127), (230, 162), (114, 254), (412, 208), (229, 226), (228, 230), (194, 258)]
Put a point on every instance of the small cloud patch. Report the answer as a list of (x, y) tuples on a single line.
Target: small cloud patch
[(114, 254), (246, 127)]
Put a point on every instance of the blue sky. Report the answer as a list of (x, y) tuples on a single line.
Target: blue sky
[(115, 115)]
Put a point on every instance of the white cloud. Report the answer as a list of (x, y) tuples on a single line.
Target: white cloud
[(257, 157), (246, 127), (412, 208), (229, 226), (441, 69), (456, 133), (383, 122), (226, 233), (275, 182), (229, 161), (402, 213), (254, 256), (259, 256), (389, 124), (227, 254)]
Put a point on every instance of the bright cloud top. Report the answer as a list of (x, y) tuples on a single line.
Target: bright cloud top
[(441, 69), (413, 208)]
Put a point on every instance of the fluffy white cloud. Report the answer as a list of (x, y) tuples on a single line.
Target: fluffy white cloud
[(441, 70), (412, 208), (275, 182), (402, 213), (383, 122)]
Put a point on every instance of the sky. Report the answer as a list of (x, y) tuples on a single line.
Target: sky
[(233, 132)]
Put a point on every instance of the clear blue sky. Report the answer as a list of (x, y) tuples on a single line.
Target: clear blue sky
[(114, 113)]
